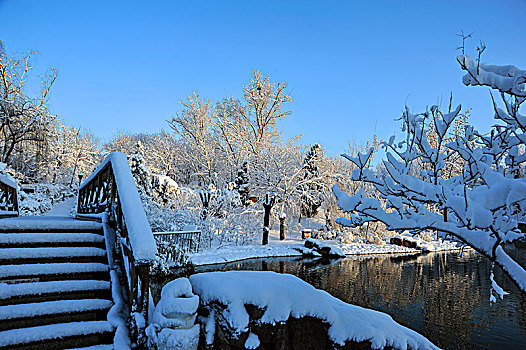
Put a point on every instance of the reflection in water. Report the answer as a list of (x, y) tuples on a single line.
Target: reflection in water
[(442, 295)]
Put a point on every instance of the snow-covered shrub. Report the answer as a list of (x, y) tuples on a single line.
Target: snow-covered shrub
[(242, 183), (164, 187), (140, 172), (37, 199), (162, 218)]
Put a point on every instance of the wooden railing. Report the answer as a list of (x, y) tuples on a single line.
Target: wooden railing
[(8, 197), (111, 188), (175, 245)]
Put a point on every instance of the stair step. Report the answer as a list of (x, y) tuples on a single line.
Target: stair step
[(10, 312), (59, 270), (55, 254), (56, 336), (37, 314), (48, 224), (53, 290), (96, 347), (43, 239)]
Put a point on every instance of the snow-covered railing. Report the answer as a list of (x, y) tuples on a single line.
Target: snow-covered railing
[(8, 197), (174, 245), (111, 188)]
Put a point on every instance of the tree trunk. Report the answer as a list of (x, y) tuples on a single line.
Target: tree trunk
[(266, 223), (281, 228)]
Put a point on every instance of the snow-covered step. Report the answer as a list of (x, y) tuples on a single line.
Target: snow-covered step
[(53, 290), (60, 311), (10, 312), (96, 347), (34, 239), (61, 335), (57, 254), (53, 269), (48, 224)]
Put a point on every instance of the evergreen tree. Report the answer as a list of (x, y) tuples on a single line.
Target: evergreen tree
[(310, 198), (242, 185), (140, 172)]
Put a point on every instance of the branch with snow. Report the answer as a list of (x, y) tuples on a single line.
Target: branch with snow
[(480, 205)]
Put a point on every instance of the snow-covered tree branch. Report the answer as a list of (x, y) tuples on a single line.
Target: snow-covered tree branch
[(482, 201)]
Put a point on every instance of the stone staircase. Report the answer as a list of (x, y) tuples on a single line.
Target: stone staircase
[(55, 288)]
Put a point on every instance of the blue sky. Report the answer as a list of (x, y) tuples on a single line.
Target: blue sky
[(351, 66)]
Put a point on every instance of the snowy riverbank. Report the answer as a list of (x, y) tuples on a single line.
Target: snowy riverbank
[(292, 247)]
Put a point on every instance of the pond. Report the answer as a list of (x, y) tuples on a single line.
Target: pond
[(443, 296)]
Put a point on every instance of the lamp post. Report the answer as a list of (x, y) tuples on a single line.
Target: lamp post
[(80, 175)]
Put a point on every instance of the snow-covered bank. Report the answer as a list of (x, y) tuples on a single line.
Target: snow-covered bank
[(293, 247), (235, 253), (284, 296)]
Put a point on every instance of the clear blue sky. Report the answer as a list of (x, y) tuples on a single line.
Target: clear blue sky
[(351, 66)]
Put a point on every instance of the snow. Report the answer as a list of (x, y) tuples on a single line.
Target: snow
[(63, 208), (118, 314), (53, 331), (37, 288), (431, 246), (50, 269), (252, 341), (366, 249), (9, 181), (283, 296), (331, 250), (139, 231), (52, 307), (177, 306), (29, 237), (233, 253), (179, 339), (96, 347), (294, 247), (48, 223), (55, 252), (173, 325)]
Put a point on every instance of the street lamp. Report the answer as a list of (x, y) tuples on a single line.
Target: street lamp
[(80, 175)]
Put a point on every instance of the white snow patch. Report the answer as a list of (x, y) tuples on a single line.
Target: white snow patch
[(50, 269), (37, 288), (52, 307), (252, 341), (48, 223), (53, 331), (77, 237), (58, 252), (179, 339), (234, 253)]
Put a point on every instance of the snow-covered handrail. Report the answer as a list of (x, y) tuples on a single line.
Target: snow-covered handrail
[(111, 188), (8, 197)]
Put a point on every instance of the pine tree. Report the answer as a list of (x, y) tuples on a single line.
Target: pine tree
[(310, 198), (242, 185)]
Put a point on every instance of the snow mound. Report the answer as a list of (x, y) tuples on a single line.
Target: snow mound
[(283, 296)]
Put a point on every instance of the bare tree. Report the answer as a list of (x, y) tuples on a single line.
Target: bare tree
[(23, 118)]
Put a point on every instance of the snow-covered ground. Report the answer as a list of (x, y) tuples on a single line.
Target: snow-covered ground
[(63, 208), (293, 245)]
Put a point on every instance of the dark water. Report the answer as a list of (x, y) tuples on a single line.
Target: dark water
[(443, 296)]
